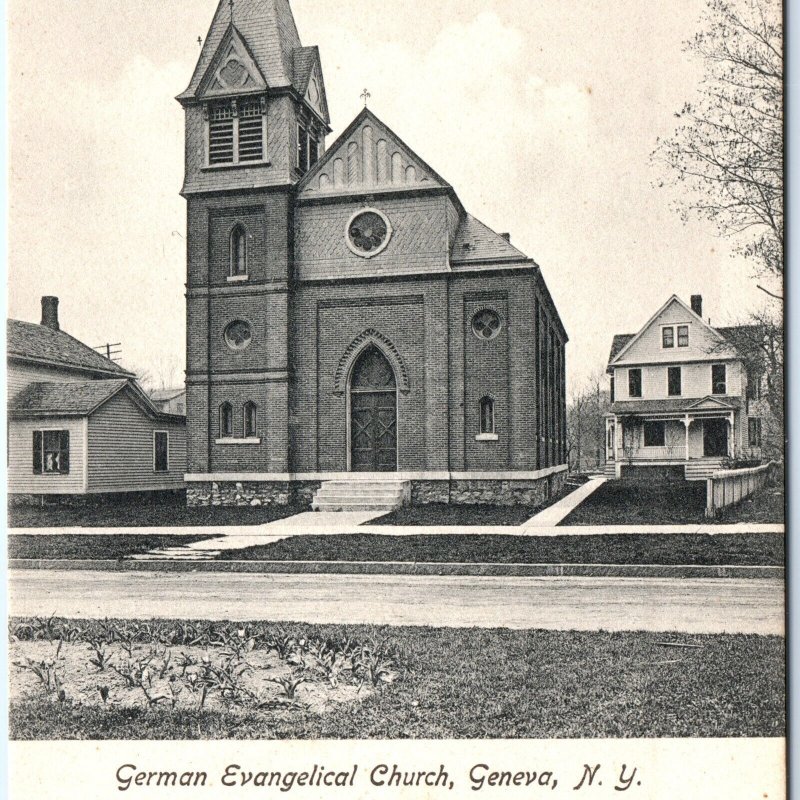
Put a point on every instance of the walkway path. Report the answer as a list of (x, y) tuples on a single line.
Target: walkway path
[(551, 516), (655, 604)]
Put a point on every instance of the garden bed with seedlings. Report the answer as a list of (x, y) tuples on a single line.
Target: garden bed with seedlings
[(167, 679), (192, 667)]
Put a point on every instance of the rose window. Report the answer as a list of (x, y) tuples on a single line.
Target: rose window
[(368, 233), (238, 335), (486, 324)]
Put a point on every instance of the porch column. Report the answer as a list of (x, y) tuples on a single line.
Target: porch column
[(732, 439), (686, 423), (617, 438)]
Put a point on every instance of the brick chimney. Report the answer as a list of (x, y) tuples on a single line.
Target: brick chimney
[(506, 236), (50, 313), (697, 304)]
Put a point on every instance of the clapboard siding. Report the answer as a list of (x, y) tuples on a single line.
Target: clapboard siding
[(695, 381), (21, 479), (121, 449)]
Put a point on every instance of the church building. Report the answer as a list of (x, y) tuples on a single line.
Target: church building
[(354, 334)]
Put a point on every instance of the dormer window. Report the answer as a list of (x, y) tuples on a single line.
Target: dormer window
[(237, 131)]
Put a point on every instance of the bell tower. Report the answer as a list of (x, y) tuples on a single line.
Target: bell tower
[(256, 120)]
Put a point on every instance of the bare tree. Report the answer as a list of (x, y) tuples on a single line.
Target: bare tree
[(728, 148), (586, 412)]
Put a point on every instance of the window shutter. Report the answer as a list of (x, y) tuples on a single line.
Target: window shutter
[(251, 137), (220, 135), (63, 446), (37, 452)]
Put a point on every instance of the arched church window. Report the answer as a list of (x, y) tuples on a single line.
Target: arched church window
[(250, 414), (372, 372), (238, 251), (226, 420), (487, 415)]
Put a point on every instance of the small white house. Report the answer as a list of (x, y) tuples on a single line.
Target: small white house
[(78, 424), (680, 399)]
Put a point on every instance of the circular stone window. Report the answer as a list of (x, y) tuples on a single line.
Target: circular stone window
[(238, 335), (368, 233), (486, 324)]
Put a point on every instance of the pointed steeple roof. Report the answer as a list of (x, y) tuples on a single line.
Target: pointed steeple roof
[(269, 33)]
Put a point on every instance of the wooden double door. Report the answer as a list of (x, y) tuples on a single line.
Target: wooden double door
[(373, 414)]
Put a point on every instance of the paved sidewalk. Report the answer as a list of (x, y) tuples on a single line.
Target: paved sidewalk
[(315, 523), (551, 516)]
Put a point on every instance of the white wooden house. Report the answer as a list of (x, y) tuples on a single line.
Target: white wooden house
[(78, 424), (680, 399)]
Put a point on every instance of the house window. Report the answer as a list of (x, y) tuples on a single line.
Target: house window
[(161, 451), (236, 131), (226, 420), (307, 149), (754, 431), (668, 337), (753, 385), (673, 381), (718, 382), (635, 382), (250, 414), (654, 434), (238, 251), (487, 415), (683, 335), (51, 452)]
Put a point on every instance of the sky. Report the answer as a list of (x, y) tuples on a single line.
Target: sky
[(542, 115)]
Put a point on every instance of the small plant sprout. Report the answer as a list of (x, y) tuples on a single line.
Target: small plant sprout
[(103, 691), (289, 684), (101, 658)]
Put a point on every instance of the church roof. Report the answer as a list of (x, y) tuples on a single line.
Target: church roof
[(476, 242), (41, 344), (269, 30), (303, 65)]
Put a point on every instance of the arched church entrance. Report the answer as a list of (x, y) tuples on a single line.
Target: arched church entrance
[(373, 413)]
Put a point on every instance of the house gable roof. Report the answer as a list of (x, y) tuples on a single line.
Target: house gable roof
[(268, 29), (624, 350), (368, 156), (27, 341), (710, 402), (79, 399)]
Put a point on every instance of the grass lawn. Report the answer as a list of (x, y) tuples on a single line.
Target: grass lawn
[(466, 514), (476, 683), (623, 502), (140, 512), (85, 546), (743, 549)]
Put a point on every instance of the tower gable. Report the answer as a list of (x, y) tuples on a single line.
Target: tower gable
[(232, 69), (308, 80), (368, 156)]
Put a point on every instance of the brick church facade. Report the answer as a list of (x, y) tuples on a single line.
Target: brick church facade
[(346, 317)]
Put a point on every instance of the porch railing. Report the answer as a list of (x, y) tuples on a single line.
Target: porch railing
[(726, 487)]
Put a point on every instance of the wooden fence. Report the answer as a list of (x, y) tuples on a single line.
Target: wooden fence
[(726, 487)]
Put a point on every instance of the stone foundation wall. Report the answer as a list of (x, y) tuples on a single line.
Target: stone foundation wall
[(487, 491), (245, 493), (424, 492)]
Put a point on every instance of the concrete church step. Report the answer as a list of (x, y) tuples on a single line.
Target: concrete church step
[(359, 495)]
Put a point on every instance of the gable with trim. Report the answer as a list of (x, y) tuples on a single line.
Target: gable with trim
[(646, 347), (368, 156), (232, 70)]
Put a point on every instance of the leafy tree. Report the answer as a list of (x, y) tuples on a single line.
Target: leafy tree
[(727, 151)]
